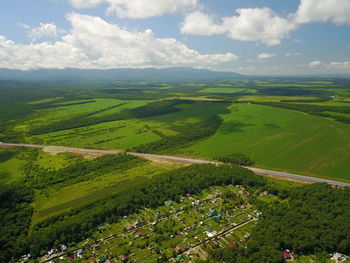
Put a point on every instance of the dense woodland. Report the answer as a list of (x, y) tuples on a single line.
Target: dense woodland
[(235, 158), (15, 218), (315, 220)]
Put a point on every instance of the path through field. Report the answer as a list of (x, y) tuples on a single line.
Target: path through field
[(176, 159)]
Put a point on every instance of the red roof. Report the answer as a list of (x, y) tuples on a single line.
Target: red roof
[(286, 255)]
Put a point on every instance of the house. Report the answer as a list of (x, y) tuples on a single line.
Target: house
[(286, 255), (63, 248), (230, 245), (123, 258), (110, 261), (338, 258), (95, 246), (80, 251)]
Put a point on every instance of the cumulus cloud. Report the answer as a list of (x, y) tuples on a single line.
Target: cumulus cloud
[(138, 8), (43, 30), (198, 23), (316, 64), (94, 43), (292, 54), (251, 24), (266, 55), (340, 65), (335, 11)]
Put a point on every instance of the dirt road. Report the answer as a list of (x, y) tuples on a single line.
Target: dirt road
[(176, 159)]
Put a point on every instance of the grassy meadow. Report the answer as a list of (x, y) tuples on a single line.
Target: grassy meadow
[(282, 139)]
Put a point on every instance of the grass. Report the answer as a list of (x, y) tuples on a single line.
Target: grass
[(222, 90), (10, 166), (51, 115), (258, 98), (283, 140), (134, 132), (116, 134), (51, 201), (337, 114)]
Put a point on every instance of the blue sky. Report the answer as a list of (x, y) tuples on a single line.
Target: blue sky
[(246, 36)]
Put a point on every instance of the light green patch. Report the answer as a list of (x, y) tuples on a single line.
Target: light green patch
[(273, 98), (10, 166), (50, 201), (222, 90), (337, 114), (51, 115), (116, 134), (283, 140)]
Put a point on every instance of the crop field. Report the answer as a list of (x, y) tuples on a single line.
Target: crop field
[(125, 134), (297, 125), (62, 111), (282, 139), (54, 201), (222, 90)]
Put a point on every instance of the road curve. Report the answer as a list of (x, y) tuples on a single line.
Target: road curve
[(184, 160)]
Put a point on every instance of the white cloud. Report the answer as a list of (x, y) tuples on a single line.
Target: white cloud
[(198, 23), (265, 55), (316, 64), (139, 8), (340, 65), (251, 24), (43, 30), (292, 54), (335, 11), (94, 43)]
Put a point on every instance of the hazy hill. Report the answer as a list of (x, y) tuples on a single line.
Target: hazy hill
[(149, 74)]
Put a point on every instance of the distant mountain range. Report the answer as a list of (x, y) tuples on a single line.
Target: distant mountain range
[(148, 74)]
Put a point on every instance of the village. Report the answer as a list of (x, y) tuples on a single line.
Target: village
[(182, 231)]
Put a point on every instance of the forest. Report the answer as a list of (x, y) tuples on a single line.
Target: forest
[(314, 220)]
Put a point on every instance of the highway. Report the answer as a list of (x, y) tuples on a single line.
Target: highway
[(176, 159)]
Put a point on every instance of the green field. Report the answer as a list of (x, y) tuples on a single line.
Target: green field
[(281, 139), (54, 201), (222, 90), (125, 134)]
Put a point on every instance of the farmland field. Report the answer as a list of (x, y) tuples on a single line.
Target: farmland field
[(282, 139), (298, 125)]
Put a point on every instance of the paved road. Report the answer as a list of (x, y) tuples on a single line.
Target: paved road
[(185, 160)]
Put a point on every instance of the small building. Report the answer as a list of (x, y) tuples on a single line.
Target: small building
[(63, 248), (286, 255), (123, 258), (95, 246), (338, 258)]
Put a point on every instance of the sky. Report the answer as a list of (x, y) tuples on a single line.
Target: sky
[(259, 37)]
